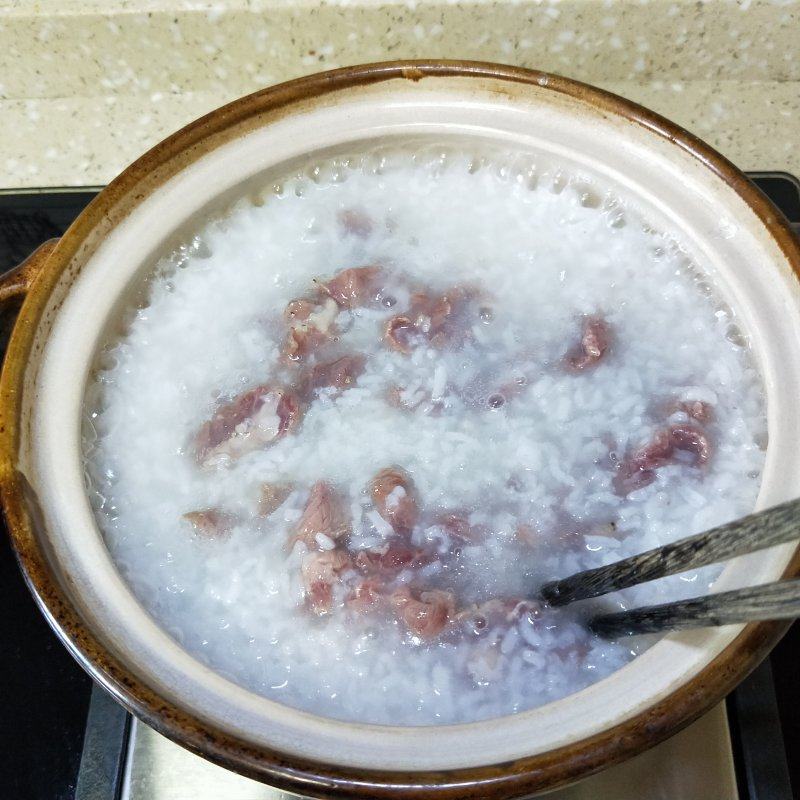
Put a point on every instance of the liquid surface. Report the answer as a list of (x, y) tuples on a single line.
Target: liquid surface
[(359, 422)]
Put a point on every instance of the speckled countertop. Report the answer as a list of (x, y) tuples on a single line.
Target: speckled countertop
[(88, 85)]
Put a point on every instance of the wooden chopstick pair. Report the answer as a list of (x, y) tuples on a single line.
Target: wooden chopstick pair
[(780, 600)]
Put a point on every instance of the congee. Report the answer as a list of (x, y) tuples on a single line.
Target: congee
[(353, 423)]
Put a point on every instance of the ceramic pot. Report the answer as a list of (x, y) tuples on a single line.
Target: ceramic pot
[(75, 288)]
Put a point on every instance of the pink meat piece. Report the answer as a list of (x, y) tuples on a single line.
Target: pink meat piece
[(299, 342), (595, 341), (324, 515), (355, 222), (311, 324), (354, 287), (392, 559), (691, 439), (368, 595), (271, 497), (396, 397), (697, 410), (438, 320), (251, 421), (297, 312), (433, 313), (211, 523), (426, 616), (320, 572), (497, 611), (456, 524), (339, 374), (639, 469), (395, 498), (400, 333)]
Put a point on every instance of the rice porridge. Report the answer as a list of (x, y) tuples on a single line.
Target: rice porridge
[(362, 417)]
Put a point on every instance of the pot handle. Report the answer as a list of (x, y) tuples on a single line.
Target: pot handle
[(17, 281)]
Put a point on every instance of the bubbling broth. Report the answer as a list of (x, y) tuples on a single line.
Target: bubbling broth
[(360, 419)]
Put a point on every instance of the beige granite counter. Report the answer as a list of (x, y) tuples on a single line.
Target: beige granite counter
[(88, 85)]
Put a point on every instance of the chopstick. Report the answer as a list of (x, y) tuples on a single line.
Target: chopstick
[(775, 525), (779, 600)]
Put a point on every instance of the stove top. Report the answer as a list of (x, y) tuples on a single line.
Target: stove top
[(62, 738)]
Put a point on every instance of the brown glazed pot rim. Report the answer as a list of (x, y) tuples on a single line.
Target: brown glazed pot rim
[(511, 779)]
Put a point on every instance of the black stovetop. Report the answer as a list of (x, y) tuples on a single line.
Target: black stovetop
[(46, 695)]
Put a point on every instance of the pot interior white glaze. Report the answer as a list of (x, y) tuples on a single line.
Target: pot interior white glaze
[(674, 190)]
